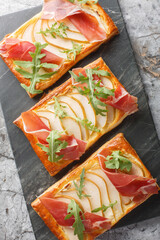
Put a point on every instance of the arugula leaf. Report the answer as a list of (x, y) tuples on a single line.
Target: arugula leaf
[(74, 210), (104, 207), (59, 109), (117, 161), (35, 65), (56, 30), (81, 186), (86, 123), (99, 72), (55, 146), (93, 90), (74, 51), (24, 73), (24, 64), (48, 65)]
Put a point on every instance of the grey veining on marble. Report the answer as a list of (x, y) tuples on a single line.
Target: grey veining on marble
[(142, 19), (14, 219), (144, 30)]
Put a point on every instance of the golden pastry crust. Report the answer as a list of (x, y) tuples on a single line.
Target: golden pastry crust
[(116, 143), (54, 168), (111, 30)]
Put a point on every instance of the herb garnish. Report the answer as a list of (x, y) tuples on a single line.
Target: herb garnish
[(117, 161), (61, 113), (74, 51), (55, 146), (56, 30), (74, 210), (35, 65), (59, 109), (81, 186), (104, 207), (93, 90), (86, 123)]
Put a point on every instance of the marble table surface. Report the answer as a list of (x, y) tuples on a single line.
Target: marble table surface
[(142, 19)]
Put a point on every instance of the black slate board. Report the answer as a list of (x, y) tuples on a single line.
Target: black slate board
[(138, 128)]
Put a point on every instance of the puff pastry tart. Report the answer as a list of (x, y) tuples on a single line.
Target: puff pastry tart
[(97, 194), (64, 124), (49, 44)]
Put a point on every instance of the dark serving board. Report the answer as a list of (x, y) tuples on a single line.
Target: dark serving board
[(138, 128)]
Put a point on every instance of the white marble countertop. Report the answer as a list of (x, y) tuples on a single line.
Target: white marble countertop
[(142, 20)]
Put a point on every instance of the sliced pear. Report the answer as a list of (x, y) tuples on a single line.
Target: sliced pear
[(66, 22), (72, 127), (84, 201), (39, 38), (55, 123), (66, 42), (101, 120), (113, 194), (59, 42), (89, 111), (27, 34), (106, 82), (72, 32), (92, 189), (70, 232), (67, 108), (100, 181), (110, 114), (74, 105), (136, 170), (78, 111)]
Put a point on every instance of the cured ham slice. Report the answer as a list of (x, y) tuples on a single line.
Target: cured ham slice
[(122, 100), (19, 50), (58, 210), (87, 24), (58, 9), (34, 125), (128, 185), (75, 148)]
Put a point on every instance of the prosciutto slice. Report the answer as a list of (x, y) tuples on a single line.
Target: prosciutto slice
[(58, 210), (34, 125), (87, 24), (58, 9), (19, 50), (128, 185), (122, 100), (75, 148)]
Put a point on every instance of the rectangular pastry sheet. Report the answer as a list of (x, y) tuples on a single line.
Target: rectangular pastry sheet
[(138, 128)]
